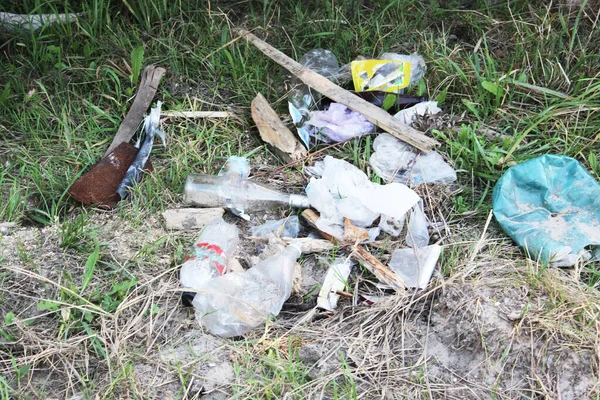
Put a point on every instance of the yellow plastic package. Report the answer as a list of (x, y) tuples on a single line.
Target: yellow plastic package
[(385, 75)]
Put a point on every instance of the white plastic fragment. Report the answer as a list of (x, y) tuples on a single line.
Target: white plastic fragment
[(409, 115), (417, 235), (344, 191), (335, 280), (416, 269)]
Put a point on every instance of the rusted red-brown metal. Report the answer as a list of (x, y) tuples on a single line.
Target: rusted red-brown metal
[(99, 185)]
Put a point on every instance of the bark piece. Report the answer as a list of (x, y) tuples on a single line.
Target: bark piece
[(274, 132), (99, 185)]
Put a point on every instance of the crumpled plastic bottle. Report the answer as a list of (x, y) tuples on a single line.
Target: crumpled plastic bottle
[(210, 254), (235, 303), (301, 99)]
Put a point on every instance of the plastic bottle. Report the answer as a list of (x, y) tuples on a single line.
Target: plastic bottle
[(210, 255), (209, 191), (235, 303), (301, 100)]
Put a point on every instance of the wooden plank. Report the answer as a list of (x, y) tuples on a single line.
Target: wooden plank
[(274, 132), (150, 79), (329, 89), (190, 218), (380, 270)]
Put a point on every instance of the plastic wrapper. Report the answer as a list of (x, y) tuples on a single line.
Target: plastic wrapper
[(235, 303), (338, 123), (418, 68), (396, 161), (409, 115), (286, 227), (550, 206), (335, 280), (391, 72)]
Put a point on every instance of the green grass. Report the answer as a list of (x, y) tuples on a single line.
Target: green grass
[(527, 72)]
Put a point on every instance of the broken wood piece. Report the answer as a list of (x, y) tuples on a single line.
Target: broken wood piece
[(374, 114), (274, 132), (308, 245), (196, 114), (150, 79), (354, 234), (380, 270), (190, 218)]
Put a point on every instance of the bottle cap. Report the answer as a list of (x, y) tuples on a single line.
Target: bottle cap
[(298, 201), (296, 246)]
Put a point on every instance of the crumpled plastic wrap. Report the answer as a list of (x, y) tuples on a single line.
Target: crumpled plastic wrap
[(338, 123), (394, 160), (340, 190), (550, 206), (285, 227), (409, 115)]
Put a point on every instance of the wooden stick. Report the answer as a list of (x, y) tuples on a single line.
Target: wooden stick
[(274, 132), (196, 114), (329, 89), (380, 270), (150, 79)]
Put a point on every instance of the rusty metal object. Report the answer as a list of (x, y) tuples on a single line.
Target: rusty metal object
[(99, 185)]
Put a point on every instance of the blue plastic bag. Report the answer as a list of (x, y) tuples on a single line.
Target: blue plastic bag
[(550, 206)]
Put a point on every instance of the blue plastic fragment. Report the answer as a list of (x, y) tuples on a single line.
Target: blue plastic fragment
[(550, 206)]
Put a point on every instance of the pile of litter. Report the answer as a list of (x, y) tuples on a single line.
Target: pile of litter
[(549, 206)]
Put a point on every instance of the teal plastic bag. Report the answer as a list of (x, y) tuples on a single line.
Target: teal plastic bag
[(550, 206)]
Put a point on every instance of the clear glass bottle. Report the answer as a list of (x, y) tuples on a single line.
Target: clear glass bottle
[(241, 196), (209, 257)]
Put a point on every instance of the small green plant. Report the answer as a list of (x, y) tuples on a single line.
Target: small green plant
[(77, 234), (137, 59)]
